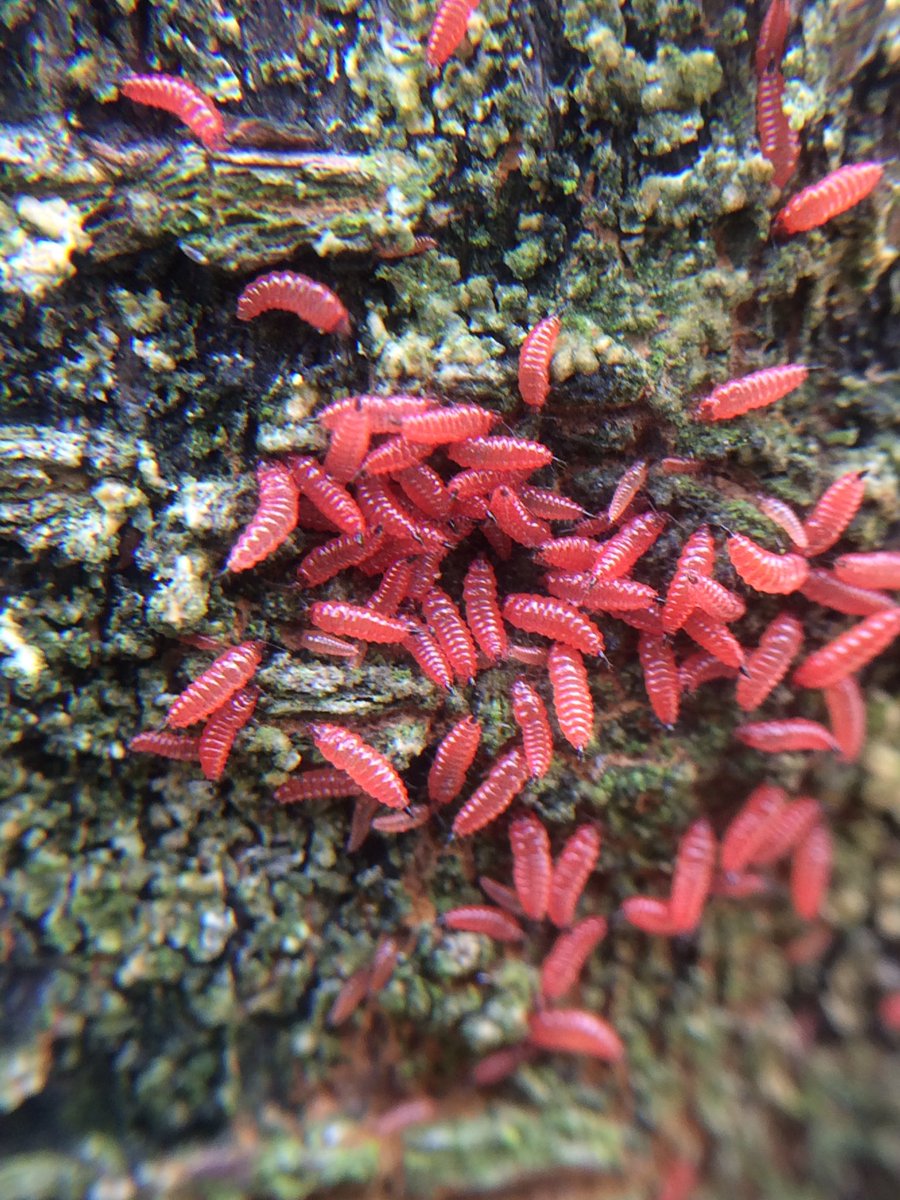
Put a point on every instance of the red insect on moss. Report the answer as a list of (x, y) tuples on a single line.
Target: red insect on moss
[(572, 699), (402, 821), (183, 100), (273, 522), (221, 728), (534, 361), (515, 520), (452, 633), (715, 637), (330, 497), (660, 677), (166, 744), (531, 717), (764, 571), (500, 453), (785, 518), (481, 918), (385, 413), (552, 618), (694, 865), (429, 656), (811, 872), (393, 589), (443, 425), (319, 783), (392, 456), (423, 486), (849, 651), (626, 489), (777, 140), (570, 554), (747, 831), (834, 511), (824, 587), (452, 760), (483, 610), (290, 291), (819, 203), (218, 683), (348, 445), (532, 864), (549, 505), (619, 554), (352, 993), (336, 555), (575, 1031), (448, 29), (786, 829), (750, 392), (768, 664), (847, 716), (702, 667), (696, 561), (369, 769), (357, 621), (501, 894), (494, 795), (563, 965), (880, 569), (573, 868), (649, 915), (782, 737)]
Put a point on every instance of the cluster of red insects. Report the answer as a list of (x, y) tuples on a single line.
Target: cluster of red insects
[(406, 481)]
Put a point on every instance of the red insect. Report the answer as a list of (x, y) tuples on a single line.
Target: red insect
[(575, 1032), (692, 880), (746, 832), (786, 829), (768, 664), (534, 361), (785, 518), (696, 560), (715, 600), (351, 994), (209, 691), (481, 918), (183, 100), (515, 520), (772, 35), (823, 587), (221, 728), (569, 554), (452, 633), (381, 507), (426, 570), (715, 637), (448, 29), (366, 767), (531, 717), (483, 610), (453, 424), (288, 290), (880, 569), (321, 783), (166, 744), (384, 960), (501, 894), (429, 656), (272, 523), (776, 574), (573, 868), (364, 809), (425, 489), (322, 643), (571, 695), (702, 667), (648, 915), (619, 554), (529, 656), (660, 677), (500, 453), (681, 466), (332, 557), (392, 590), (847, 715), (777, 140), (811, 872), (349, 445), (494, 795), (739, 396), (555, 619), (478, 482), (384, 412), (849, 651), (357, 621), (571, 950), (532, 865), (834, 511), (780, 737), (330, 497), (392, 456), (831, 196), (626, 489), (402, 821), (452, 760), (548, 505), (616, 596)]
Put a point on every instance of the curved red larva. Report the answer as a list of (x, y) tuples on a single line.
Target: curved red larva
[(785, 518), (648, 915), (494, 794), (352, 993), (309, 517), (384, 412), (772, 35), (496, 1067), (618, 595), (626, 489), (702, 667), (692, 880), (448, 29), (767, 665), (568, 954), (831, 196), (575, 1031), (696, 560), (777, 140), (499, 542), (746, 831), (715, 600), (660, 677), (740, 887), (619, 554), (364, 809), (823, 587), (500, 453), (549, 505), (878, 569), (834, 511), (483, 610), (334, 556), (330, 497), (442, 425), (398, 821), (714, 637), (221, 728), (320, 783), (429, 656), (532, 864), (849, 651), (165, 744), (183, 100), (889, 1010), (357, 621), (786, 829), (531, 717), (227, 675), (573, 868), (380, 507), (515, 520), (590, 526), (681, 466), (426, 569), (291, 292), (272, 523), (366, 767), (501, 894), (534, 361), (452, 760), (476, 482), (348, 445), (423, 486), (396, 454), (847, 715), (452, 633), (569, 554), (757, 390), (572, 699), (811, 872), (393, 589), (775, 574), (780, 737), (481, 918), (529, 656), (552, 618), (646, 620), (384, 960)]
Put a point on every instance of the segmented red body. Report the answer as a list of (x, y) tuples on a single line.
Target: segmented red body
[(273, 522), (448, 29), (348, 445), (402, 821), (221, 728), (626, 489), (571, 872), (575, 1032), (767, 665), (553, 618), (529, 656), (500, 454), (572, 699), (811, 872), (779, 737), (777, 140), (746, 831), (483, 610), (772, 35), (660, 677), (613, 595), (702, 667), (531, 717), (515, 520), (786, 829), (494, 795), (481, 918), (424, 487), (393, 589), (501, 894), (330, 497), (442, 425), (758, 390), (429, 656), (363, 763), (183, 100), (619, 554), (392, 456), (834, 511), (534, 361), (385, 413), (831, 196), (166, 744), (715, 637), (355, 620), (825, 588), (715, 600), (649, 915), (696, 561), (549, 505), (568, 954), (334, 556), (785, 518), (317, 642), (364, 809), (320, 783), (570, 554), (476, 482), (452, 760), (532, 865), (209, 691), (694, 864), (849, 651), (847, 716), (452, 633), (292, 292), (879, 569), (764, 571)]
